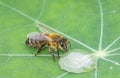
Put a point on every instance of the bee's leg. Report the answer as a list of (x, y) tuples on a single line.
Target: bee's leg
[(39, 49), (58, 53), (52, 53)]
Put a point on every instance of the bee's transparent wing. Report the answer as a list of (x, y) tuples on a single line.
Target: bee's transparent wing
[(32, 34), (44, 29), (37, 36)]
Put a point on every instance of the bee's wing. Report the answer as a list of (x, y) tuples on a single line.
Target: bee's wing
[(44, 29), (38, 36), (32, 34)]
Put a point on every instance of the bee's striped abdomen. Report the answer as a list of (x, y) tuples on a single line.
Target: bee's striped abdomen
[(36, 39), (35, 43)]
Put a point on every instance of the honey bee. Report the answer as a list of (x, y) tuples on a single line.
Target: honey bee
[(53, 41)]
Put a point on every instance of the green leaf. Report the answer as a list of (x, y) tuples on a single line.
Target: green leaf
[(81, 21)]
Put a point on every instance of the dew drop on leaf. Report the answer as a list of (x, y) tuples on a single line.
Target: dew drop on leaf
[(77, 61)]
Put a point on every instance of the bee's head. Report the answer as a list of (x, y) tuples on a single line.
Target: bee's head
[(63, 43)]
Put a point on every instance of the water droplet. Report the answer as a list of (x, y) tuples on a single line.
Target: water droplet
[(77, 61)]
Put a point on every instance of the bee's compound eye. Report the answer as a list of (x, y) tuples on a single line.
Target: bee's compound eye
[(62, 43)]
